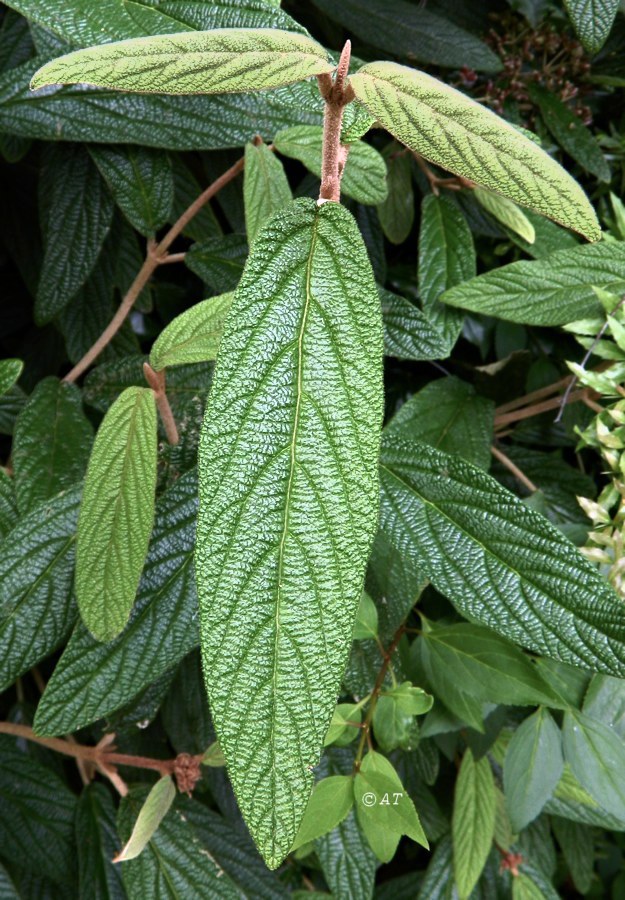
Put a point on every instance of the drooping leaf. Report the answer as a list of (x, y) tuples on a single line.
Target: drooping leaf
[(411, 334), (156, 806), (413, 32), (219, 261), (507, 212), (51, 443), (542, 594), (92, 680), (532, 768), (265, 187), (473, 821), (554, 290), (193, 336), (97, 843), (78, 216), (10, 371), (457, 133), (207, 62), (366, 626), (36, 571), (284, 430), (592, 20), (397, 211), (449, 415), (330, 802), (596, 755), (578, 847), (141, 182), (364, 177), (116, 513)]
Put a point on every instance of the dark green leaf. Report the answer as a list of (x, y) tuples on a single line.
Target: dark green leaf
[(397, 211), (265, 187), (597, 757), (410, 334), (10, 371), (578, 846), (219, 261), (592, 20), (97, 843)]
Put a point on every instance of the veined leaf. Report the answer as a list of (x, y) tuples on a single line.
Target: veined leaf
[(597, 757), (152, 813), (507, 212), (51, 443), (330, 802), (287, 468), (592, 20), (453, 131), (532, 768), (554, 290), (409, 333), (92, 680), (222, 61), (541, 593), (193, 336), (116, 513), (397, 211), (10, 371), (473, 821), (96, 844), (36, 571), (364, 177), (265, 187), (219, 261)]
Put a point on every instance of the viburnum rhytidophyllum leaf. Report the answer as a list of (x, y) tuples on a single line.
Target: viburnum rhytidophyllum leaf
[(288, 505), (193, 62), (453, 131)]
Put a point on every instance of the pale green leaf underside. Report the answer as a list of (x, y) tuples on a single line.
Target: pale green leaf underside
[(288, 505), (473, 821), (152, 813), (474, 539), (116, 513), (457, 133), (193, 336), (202, 62), (265, 187)]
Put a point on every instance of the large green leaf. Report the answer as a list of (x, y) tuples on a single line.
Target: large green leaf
[(532, 768), (116, 513), (193, 336), (288, 494), (364, 177), (222, 61), (554, 290), (51, 443), (412, 31), (97, 844), (92, 680), (597, 757), (592, 20), (473, 821), (509, 568), (141, 182), (457, 133), (265, 187), (36, 571)]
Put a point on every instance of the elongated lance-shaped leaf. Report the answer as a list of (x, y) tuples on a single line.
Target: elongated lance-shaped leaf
[(193, 336), (116, 513), (202, 62), (457, 133), (288, 505), (153, 811)]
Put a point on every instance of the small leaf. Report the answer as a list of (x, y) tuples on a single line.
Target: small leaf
[(193, 336), (10, 371), (597, 757), (153, 811), (204, 62), (532, 768), (366, 626), (213, 757), (265, 187), (473, 821), (457, 133), (507, 212), (116, 513), (364, 177), (592, 20), (342, 730), (331, 800), (397, 211), (554, 290)]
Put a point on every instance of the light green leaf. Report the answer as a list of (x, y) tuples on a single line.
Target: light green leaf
[(51, 443), (331, 800), (592, 20), (288, 461), (141, 181), (213, 757), (342, 730), (473, 821), (366, 626), (597, 757), (528, 887), (542, 594), (97, 844), (605, 701), (397, 211), (193, 336), (448, 415), (92, 680), (532, 768), (265, 187), (364, 177), (153, 811), (487, 666), (554, 290), (10, 371), (455, 132), (116, 513), (222, 61), (507, 212)]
